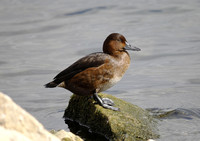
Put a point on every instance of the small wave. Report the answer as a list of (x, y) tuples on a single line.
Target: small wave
[(80, 12), (178, 113)]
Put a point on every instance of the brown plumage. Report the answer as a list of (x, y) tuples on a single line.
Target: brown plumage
[(98, 71)]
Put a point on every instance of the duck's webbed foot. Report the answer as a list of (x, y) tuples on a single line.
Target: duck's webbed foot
[(105, 102), (108, 101)]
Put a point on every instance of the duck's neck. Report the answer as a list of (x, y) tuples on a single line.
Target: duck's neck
[(121, 55), (123, 60)]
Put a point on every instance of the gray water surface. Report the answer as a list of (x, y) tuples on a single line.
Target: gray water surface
[(38, 39)]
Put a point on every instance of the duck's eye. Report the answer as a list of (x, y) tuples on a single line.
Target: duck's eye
[(118, 40)]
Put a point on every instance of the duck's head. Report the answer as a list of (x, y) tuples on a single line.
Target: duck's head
[(116, 43)]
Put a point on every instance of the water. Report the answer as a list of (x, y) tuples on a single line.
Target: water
[(40, 38)]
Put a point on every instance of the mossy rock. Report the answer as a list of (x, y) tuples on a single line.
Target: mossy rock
[(131, 123)]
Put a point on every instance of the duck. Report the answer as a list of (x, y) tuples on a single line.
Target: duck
[(97, 71)]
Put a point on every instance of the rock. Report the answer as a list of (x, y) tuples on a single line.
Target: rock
[(66, 136), (131, 123), (11, 135), (18, 125), (17, 120)]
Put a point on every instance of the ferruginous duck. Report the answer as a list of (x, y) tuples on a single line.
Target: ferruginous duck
[(98, 71)]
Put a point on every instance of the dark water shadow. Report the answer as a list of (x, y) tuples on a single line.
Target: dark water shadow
[(84, 11), (84, 132), (179, 113), (167, 10), (80, 12)]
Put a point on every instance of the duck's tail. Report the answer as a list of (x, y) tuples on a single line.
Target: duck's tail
[(51, 85)]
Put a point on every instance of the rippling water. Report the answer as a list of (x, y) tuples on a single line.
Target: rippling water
[(40, 38)]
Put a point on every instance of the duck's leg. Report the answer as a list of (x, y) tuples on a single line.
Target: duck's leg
[(101, 102)]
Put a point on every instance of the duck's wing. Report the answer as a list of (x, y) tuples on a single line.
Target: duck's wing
[(92, 60)]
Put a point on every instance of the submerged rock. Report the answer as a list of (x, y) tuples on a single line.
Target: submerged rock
[(131, 123)]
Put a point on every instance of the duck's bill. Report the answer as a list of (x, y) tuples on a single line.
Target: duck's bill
[(129, 47)]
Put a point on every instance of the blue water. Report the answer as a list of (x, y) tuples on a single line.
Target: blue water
[(38, 39)]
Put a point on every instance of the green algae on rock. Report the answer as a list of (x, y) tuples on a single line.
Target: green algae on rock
[(131, 123)]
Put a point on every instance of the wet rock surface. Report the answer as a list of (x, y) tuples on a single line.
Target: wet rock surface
[(131, 123)]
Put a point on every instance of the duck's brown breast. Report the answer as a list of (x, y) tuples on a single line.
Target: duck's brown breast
[(117, 66)]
